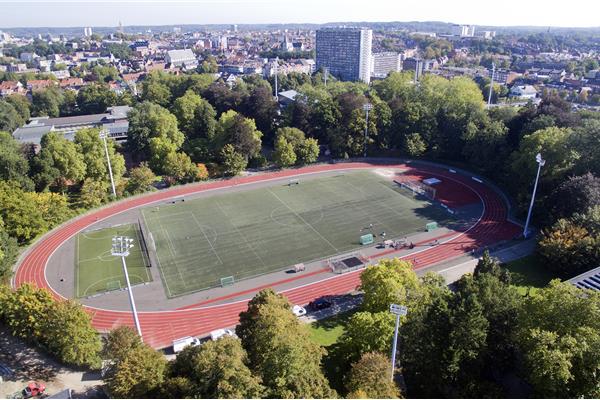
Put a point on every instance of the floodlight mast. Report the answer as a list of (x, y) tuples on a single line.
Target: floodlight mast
[(399, 311), (120, 248), (491, 85), (541, 162), (103, 134)]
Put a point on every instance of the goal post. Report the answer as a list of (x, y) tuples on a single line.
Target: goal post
[(418, 188)]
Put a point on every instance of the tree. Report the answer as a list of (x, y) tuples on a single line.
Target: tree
[(306, 150), (25, 312), (93, 193), (559, 339), (414, 145), (118, 343), (280, 350), (13, 164), (261, 106), (95, 99), (553, 144), (9, 117), (63, 156), (91, 146), (196, 117), (233, 162), (21, 105), (179, 166), (284, 155), (575, 194), (569, 246), (390, 281), (68, 333), (148, 121), (47, 102), (9, 250), (240, 132), (209, 66), (371, 376), (217, 369), (140, 179), (139, 374), (105, 73), (156, 92)]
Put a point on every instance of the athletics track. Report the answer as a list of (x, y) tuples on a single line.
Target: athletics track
[(160, 328)]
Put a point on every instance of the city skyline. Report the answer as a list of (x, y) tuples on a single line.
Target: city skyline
[(109, 13)]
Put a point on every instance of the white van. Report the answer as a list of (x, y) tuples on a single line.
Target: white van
[(180, 344), (214, 335)]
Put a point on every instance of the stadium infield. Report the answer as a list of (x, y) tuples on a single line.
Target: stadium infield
[(98, 271), (253, 232)]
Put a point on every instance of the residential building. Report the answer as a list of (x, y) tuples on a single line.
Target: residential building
[(588, 280), (345, 52), (384, 63), (182, 58), (28, 57), (523, 92), (11, 87), (114, 121), (87, 32)]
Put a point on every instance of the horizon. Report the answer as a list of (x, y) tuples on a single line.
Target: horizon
[(71, 14)]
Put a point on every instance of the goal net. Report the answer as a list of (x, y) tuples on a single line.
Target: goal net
[(418, 188), (146, 242)]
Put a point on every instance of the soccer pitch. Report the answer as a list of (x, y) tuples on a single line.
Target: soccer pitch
[(252, 232), (98, 271)]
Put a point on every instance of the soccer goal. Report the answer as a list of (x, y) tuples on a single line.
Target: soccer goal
[(147, 242), (418, 188)]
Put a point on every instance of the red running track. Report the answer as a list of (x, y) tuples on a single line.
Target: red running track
[(160, 328)]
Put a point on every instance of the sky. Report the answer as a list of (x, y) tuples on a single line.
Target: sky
[(574, 13)]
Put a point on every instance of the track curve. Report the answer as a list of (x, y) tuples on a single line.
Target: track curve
[(161, 327)]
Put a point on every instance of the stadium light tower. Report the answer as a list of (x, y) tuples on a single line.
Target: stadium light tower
[(103, 134), (398, 311), (491, 85), (120, 248), (367, 107), (541, 163)]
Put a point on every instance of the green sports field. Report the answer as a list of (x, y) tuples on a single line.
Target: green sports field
[(252, 232), (98, 271)]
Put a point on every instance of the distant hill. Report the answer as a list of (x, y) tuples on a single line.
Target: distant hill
[(422, 26)]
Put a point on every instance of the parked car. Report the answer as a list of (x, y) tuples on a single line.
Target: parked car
[(298, 310), (180, 344), (214, 335), (320, 304)]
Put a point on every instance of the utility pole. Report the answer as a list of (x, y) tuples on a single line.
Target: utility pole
[(103, 134), (325, 74), (276, 89), (541, 162), (491, 85), (367, 107), (399, 311), (120, 248), (417, 69)]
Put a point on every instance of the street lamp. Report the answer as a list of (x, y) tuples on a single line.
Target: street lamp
[(399, 311), (103, 134), (541, 162), (367, 107), (120, 248)]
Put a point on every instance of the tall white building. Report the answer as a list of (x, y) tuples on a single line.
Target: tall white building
[(384, 63), (464, 30), (345, 52), (87, 32)]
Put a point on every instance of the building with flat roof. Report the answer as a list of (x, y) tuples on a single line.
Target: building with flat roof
[(114, 121), (345, 52), (384, 63)]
